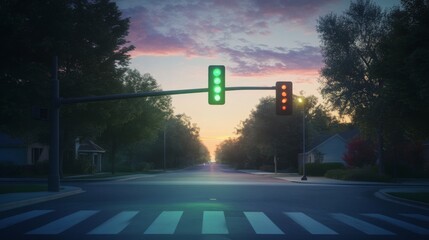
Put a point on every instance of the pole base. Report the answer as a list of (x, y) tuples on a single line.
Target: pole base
[(304, 178)]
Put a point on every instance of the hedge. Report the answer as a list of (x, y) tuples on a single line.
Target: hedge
[(319, 169)]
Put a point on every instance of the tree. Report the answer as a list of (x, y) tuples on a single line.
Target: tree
[(350, 47), (405, 68), (135, 119), (184, 146), (264, 135), (87, 36)]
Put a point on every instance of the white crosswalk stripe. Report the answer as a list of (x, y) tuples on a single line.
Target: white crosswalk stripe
[(165, 223), (22, 217), (417, 216), (116, 224), (214, 222), (399, 223), (360, 225), (261, 223), (64, 223), (311, 225)]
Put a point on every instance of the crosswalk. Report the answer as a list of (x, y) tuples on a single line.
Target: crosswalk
[(52, 222)]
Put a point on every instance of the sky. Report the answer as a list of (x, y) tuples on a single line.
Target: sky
[(260, 42)]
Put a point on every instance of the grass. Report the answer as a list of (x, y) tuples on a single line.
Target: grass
[(369, 174), (414, 196), (110, 175), (17, 188)]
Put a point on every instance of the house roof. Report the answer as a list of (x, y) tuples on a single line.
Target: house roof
[(345, 136), (88, 146)]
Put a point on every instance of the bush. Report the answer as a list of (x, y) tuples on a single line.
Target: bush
[(319, 169), (369, 174), (267, 168), (360, 153)]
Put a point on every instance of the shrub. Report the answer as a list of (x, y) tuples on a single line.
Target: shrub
[(360, 153), (369, 174), (319, 169)]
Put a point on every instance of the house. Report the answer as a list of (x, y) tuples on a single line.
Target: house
[(329, 149), (91, 151), (18, 152)]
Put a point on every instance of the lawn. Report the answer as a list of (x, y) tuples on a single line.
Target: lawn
[(16, 188), (415, 196)]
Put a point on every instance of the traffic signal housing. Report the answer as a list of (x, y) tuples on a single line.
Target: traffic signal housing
[(284, 98), (216, 85)]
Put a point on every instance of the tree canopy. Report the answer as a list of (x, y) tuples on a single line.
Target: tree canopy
[(376, 69), (89, 39), (264, 135)]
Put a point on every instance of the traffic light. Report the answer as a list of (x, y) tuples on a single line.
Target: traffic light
[(284, 98), (216, 84)]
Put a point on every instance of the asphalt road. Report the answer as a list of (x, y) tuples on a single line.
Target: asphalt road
[(214, 202)]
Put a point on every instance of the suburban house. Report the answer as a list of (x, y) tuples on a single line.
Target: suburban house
[(18, 152), (91, 151), (329, 149)]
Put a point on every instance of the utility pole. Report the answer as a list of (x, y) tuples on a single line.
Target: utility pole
[(54, 173)]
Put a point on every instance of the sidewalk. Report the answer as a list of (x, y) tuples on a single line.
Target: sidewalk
[(296, 178), (14, 200), (401, 185)]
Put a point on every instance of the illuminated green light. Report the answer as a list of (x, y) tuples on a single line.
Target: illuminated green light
[(216, 85), (217, 89), (217, 80), (217, 72)]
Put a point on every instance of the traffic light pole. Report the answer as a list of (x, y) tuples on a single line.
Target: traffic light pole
[(151, 94), (56, 102)]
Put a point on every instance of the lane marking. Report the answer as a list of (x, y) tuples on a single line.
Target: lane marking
[(311, 225), (360, 225), (62, 224), (165, 223), (214, 222), (408, 226), (9, 221), (261, 223), (115, 224)]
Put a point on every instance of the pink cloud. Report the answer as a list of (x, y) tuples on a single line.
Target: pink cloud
[(258, 62), (208, 28)]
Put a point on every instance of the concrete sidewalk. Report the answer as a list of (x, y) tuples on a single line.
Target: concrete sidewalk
[(296, 178), (14, 200)]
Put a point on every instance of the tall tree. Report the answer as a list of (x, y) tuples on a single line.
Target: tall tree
[(350, 47), (89, 39), (135, 120), (264, 135), (405, 68)]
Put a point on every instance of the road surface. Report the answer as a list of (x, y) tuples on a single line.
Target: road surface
[(214, 202)]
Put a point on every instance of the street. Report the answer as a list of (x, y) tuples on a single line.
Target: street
[(212, 201)]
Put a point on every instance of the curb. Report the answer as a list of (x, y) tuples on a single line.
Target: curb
[(384, 195), (31, 201)]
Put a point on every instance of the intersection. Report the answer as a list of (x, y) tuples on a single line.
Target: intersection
[(215, 202)]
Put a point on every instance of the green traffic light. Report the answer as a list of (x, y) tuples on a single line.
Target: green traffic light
[(217, 89), (217, 80), (216, 85), (217, 72)]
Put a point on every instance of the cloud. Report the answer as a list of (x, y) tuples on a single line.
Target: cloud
[(206, 28), (256, 61)]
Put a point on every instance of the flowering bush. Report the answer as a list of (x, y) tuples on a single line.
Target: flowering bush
[(360, 153)]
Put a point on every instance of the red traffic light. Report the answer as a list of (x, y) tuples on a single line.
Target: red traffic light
[(284, 98)]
